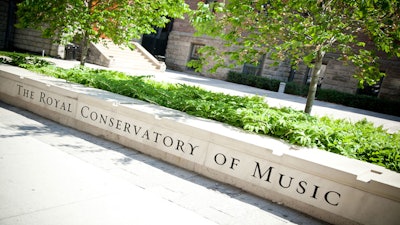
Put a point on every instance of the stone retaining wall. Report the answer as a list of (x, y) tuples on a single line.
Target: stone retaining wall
[(324, 185), (32, 40)]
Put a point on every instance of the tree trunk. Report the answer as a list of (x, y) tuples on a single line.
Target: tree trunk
[(85, 44), (314, 82)]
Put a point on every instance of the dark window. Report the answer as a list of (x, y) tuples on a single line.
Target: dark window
[(371, 90), (321, 76), (254, 69), (210, 2), (194, 52)]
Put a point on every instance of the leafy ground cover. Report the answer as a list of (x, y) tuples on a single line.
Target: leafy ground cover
[(361, 140)]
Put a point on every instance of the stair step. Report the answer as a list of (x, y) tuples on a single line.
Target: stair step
[(124, 57)]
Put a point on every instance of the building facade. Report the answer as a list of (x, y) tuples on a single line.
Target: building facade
[(7, 19), (182, 46), (29, 40)]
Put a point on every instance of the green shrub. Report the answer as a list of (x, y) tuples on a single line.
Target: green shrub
[(359, 140), (359, 101), (22, 60), (296, 89), (253, 81)]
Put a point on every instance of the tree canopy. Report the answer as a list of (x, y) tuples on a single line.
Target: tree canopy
[(302, 31), (88, 21)]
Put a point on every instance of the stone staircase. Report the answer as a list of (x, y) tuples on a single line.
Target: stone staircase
[(110, 55)]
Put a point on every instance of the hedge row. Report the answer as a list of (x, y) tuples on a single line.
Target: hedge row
[(254, 81), (357, 101)]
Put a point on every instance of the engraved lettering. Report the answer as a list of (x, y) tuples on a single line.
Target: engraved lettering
[(235, 162), (146, 135), (260, 176), (222, 159), (167, 141), (302, 187), (192, 148), (127, 126), (41, 98), (82, 113), (179, 145), (137, 130), (57, 101), (280, 181), (103, 119), (314, 195), (118, 126), (157, 135), (336, 203)]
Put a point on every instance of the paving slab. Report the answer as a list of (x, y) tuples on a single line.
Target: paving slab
[(52, 174)]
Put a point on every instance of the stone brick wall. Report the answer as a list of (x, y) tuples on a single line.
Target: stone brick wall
[(183, 25), (339, 77), (31, 40), (179, 50), (391, 83), (280, 72)]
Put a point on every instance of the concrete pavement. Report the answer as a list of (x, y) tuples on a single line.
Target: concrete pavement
[(51, 174)]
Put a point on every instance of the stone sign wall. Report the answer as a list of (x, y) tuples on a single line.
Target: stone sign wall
[(324, 185)]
